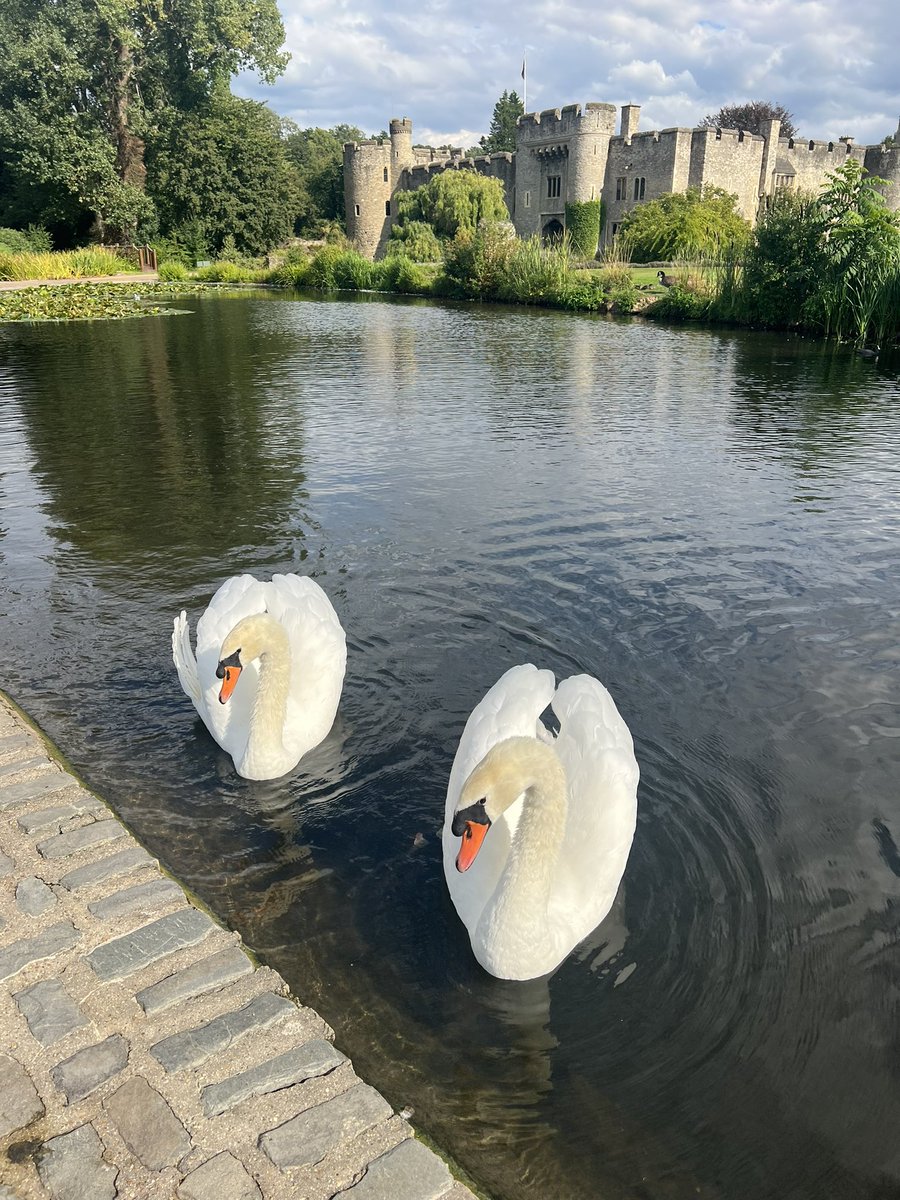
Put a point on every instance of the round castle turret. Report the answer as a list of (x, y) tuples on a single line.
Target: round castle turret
[(372, 174)]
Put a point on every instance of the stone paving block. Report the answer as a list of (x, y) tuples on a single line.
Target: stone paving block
[(43, 785), (33, 896), (78, 1076), (106, 868), (304, 1062), (307, 1138), (195, 1046), (60, 845), (19, 1102), (149, 1128), (408, 1172), (195, 980), (33, 822), (13, 741), (125, 955), (53, 940), (220, 1178), (72, 1167), (16, 765), (6, 864), (140, 896), (50, 1011)]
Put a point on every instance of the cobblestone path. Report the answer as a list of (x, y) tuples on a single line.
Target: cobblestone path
[(143, 1054)]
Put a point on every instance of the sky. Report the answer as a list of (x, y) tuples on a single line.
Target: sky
[(834, 64)]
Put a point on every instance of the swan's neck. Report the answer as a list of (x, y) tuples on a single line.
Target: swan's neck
[(265, 742), (519, 912)]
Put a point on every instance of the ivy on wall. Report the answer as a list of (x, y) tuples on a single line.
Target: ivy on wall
[(583, 219)]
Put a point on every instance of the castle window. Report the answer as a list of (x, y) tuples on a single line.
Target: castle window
[(615, 228), (621, 184), (783, 182), (387, 208), (385, 175), (528, 199), (639, 185), (356, 206), (554, 186)]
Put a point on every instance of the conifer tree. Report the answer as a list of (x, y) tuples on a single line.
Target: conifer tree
[(502, 135)]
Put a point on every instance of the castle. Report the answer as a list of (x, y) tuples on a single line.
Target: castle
[(573, 154)]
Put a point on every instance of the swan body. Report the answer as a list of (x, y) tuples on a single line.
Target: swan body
[(268, 672), (537, 829)]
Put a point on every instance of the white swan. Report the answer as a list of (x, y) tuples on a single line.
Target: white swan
[(280, 652), (537, 830)]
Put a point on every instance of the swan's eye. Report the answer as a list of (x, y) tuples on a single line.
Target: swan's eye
[(483, 800)]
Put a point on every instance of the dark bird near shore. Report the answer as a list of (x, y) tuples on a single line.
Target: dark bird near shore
[(664, 279)]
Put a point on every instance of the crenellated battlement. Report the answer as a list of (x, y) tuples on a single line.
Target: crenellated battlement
[(570, 121)]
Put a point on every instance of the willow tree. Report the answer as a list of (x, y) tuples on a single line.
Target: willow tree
[(83, 84)]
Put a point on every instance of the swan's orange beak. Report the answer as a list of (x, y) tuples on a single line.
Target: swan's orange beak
[(229, 683), (472, 838)]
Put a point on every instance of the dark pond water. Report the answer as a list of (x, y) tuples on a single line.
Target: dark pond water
[(709, 522)]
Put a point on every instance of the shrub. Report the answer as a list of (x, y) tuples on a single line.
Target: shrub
[(475, 262), (623, 298), (322, 271), (353, 272), (454, 201), (398, 274), (14, 241), (294, 273), (534, 273), (173, 271), (583, 226), (415, 240), (584, 294), (680, 303), (225, 272)]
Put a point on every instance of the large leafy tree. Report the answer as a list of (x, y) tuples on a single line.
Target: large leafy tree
[(84, 83), (318, 156), (683, 225), (502, 132), (750, 116), (222, 171), (454, 201)]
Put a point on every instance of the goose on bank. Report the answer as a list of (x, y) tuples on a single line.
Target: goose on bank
[(537, 829), (269, 670)]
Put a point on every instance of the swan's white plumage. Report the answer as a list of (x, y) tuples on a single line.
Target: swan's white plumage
[(318, 660), (596, 750)]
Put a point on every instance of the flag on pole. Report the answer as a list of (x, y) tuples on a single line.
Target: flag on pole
[(523, 68), (525, 87)]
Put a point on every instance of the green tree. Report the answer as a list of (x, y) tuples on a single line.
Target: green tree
[(502, 132), (684, 225), (861, 253), (223, 171), (750, 116), (783, 262), (454, 200), (318, 156), (82, 85)]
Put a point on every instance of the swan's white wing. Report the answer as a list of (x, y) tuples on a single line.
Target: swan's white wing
[(186, 664), (229, 723), (511, 708), (597, 751), (318, 658)]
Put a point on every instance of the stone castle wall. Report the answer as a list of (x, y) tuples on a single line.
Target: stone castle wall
[(574, 154)]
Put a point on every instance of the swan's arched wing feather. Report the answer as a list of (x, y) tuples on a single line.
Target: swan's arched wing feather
[(238, 597), (318, 658), (597, 752), (511, 708), (186, 664)]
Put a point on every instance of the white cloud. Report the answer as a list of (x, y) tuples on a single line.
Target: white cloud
[(831, 63)]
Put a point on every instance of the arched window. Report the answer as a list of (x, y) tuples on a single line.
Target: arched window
[(385, 174)]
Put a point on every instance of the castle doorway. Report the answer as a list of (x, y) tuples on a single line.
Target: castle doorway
[(552, 232)]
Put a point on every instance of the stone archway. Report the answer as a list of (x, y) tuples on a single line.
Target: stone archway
[(553, 231)]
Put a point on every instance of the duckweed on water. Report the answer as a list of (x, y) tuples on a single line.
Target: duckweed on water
[(91, 301)]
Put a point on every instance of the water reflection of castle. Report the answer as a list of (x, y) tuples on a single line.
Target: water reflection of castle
[(573, 154)]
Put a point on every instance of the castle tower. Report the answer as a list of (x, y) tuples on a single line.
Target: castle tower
[(560, 158), (373, 172)]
